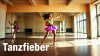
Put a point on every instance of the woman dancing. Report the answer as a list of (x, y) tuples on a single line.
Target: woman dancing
[(15, 27), (49, 26)]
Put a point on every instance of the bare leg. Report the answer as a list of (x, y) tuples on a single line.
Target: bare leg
[(45, 37), (54, 33), (14, 34)]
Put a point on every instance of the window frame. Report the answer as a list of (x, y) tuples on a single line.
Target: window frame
[(81, 19), (98, 15)]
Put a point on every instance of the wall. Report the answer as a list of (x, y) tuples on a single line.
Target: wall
[(2, 20), (72, 23), (36, 22), (88, 22), (69, 21), (21, 22)]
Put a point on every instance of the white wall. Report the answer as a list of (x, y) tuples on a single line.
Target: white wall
[(2, 20), (93, 21)]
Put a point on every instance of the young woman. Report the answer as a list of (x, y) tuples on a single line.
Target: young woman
[(49, 26), (15, 27)]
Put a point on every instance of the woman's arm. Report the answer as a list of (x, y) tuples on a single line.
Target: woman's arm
[(58, 16), (10, 23)]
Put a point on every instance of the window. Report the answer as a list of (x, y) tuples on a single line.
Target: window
[(98, 19), (98, 8), (81, 23), (81, 26)]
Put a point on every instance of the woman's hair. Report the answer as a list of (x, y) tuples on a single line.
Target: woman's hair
[(46, 16), (15, 21)]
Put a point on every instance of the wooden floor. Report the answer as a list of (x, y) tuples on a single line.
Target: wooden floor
[(66, 45)]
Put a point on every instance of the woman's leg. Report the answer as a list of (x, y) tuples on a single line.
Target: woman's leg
[(54, 33), (14, 36), (45, 37), (14, 33)]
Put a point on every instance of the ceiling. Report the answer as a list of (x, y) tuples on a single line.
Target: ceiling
[(46, 2), (42, 13)]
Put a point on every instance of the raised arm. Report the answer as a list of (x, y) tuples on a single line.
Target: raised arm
[(58, 16), (10, 23)]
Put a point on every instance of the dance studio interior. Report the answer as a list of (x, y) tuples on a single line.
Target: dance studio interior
[(78, 32)]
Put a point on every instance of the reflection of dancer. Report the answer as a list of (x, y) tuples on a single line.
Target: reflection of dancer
[(15, 27), (49, 26), (55, 51)]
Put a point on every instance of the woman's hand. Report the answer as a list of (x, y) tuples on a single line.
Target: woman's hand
[(58, 16), (9, 21)]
